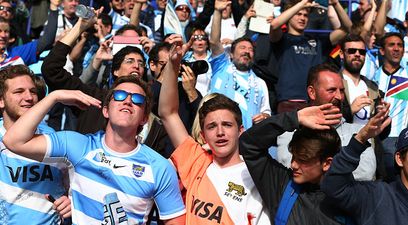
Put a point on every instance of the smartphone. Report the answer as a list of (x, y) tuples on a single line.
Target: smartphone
[(120, 42)]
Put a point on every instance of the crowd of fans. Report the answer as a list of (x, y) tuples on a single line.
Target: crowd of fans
[(182, 112)]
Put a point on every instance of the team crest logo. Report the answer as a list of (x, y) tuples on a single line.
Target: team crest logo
[(239, 189), (138, 171), (312, 43)]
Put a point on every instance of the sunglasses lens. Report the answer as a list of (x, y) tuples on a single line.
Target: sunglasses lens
[(119, 95), (138, 99), (354, 50)]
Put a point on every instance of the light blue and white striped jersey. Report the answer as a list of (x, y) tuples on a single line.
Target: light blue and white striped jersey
[(404, 60), (371, 65), (245, 88), (23, 184), (398, 108), (138, 178), (398, 9)]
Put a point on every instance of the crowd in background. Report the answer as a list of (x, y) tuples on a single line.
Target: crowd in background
[(222, 120)]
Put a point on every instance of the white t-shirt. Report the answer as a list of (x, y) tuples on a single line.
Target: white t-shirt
[(362, 116)]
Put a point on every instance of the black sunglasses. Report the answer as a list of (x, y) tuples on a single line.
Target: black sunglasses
[(183, 8), (354, 50), (200, 37), (121, 95)]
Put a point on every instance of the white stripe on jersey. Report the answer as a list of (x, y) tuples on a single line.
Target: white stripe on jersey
[(80, 218), (132, 204), (26, 198)]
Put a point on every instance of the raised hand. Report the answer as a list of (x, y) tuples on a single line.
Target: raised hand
[(221, 4), (319, 117), (75, 98), (250, 12), (175, 55), (375, 125), (189, 80), (359, 103), (146, 43)]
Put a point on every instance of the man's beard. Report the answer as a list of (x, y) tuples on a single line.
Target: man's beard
[(337, 103), (353, 69), (243, 66)]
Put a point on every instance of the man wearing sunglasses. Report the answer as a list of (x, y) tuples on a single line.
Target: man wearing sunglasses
[(107, 164), (361, 94)]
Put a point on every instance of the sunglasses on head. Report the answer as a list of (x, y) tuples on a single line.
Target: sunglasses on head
[(121, 95), (183, 8), (5, 8), (200, 37), (354, 50)]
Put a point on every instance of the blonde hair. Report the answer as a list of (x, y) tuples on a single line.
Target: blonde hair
[(196, 128)]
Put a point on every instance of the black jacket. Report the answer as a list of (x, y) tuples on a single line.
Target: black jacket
[(368, 202), (312, 206)]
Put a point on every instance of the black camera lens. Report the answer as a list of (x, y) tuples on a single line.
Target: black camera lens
[(198, 67)]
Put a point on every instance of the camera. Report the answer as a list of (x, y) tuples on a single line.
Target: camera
[(198, 67)]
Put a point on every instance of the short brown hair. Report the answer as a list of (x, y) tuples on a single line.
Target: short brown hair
[(308, 144), (220, 102), (313, 75), (11, 72)]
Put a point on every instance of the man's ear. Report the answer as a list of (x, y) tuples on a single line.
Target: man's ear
[(152, 66), (2, 103), (382, 52), (327, 163), (145, 120), (241, 129), (398, 159), (105, 112), (203, 136), (311, 92)]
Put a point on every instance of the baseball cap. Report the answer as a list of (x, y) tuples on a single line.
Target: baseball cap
[(402, 142)]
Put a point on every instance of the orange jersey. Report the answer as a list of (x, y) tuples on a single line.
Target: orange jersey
[(216, 195)]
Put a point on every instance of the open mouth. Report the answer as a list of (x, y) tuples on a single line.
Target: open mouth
[(126, 110), (136, 74), (221, 142)]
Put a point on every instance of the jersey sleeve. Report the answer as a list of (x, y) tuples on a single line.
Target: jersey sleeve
[(218, 64), (168, 197), (65, 144), (28, 52)]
